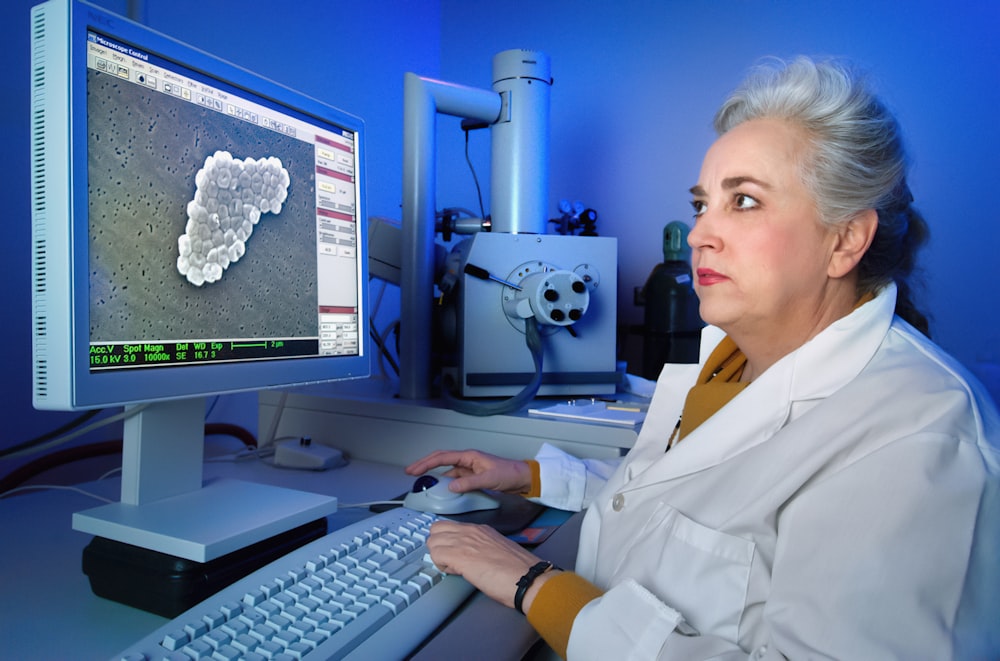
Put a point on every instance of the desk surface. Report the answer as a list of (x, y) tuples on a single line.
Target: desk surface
[(45, 589)]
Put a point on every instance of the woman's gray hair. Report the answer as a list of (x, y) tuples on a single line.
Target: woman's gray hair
[(857, 160)]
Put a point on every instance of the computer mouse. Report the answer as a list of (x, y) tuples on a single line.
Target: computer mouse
[(430, 493)]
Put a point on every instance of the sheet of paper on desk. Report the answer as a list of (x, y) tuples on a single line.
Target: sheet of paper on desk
[(610, 413)]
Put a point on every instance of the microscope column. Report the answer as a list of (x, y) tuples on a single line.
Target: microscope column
[(519, 182)]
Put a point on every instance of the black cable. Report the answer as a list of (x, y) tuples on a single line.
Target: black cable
[(472, 169), (383, 349), (78, 421), (533, 339)]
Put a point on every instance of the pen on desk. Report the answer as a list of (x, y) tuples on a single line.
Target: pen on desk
[(619, 405), (625, 407)]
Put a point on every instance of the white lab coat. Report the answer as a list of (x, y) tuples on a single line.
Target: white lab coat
[(844, 505)]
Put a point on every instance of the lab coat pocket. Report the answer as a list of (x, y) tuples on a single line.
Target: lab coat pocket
[(700, 572)]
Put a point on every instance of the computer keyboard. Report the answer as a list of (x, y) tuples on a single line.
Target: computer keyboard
[(365, 591)]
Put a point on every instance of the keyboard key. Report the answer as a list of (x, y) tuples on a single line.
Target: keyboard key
[(231, 609), (423, 583), (199, 649), (331, 627), (245, 643), (364, 554), (389, 568), (327, 610), (270, 649), (285, 638), (235, 628), (394, 602), (345, 580), (408, 592), (213, 618), (263, 632), (299, 649), (283, 600), (309, 604), (216, 638), (301, 628), (252, 618), (316, 619), (194, 629), (337, 647), (268, 609), (294, 613), (175, 640), (279, 622), (314, 638), (405, 573), (227, 653), (310, 584)]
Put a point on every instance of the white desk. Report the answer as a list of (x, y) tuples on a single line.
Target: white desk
[(49, 611)]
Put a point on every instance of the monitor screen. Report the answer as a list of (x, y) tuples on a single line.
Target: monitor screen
[(216, 228), (196, 230)]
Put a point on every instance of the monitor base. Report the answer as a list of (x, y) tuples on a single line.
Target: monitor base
[(221, 517)]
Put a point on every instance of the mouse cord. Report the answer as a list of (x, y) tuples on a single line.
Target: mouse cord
[(533, 339)]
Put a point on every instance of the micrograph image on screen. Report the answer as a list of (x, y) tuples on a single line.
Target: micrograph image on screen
[(145, 149)]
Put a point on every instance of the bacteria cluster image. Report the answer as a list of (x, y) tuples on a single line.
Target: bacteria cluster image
[(231, 195)]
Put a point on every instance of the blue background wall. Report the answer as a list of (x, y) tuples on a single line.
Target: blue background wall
[(636, 85)]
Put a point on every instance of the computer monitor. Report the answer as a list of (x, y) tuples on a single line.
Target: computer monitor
[(196, 230)]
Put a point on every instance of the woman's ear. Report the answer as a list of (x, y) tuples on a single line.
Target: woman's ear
[(853, 239)]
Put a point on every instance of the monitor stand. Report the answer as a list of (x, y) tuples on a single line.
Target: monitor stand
[(164, 505)]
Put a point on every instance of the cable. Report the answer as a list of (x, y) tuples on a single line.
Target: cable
[(533, 339), (212, 405), (59, 487), (273, 429), (127, 413), (371, 504), (384, 354), (228, 429), (23, 473), (243, 455), (72, 424), (472, 169)]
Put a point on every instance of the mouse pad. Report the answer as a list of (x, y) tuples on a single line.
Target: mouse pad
[(514, 514)]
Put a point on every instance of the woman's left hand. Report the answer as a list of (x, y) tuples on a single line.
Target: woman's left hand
[(483, 556)]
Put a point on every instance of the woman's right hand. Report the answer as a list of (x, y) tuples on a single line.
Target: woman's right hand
[(473, 469)]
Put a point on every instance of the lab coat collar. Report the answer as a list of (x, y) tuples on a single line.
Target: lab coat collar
[(814, 371)]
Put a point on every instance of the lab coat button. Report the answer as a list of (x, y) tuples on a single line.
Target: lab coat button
[(618, 502)]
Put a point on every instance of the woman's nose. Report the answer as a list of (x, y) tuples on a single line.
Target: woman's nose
[(702, 234)]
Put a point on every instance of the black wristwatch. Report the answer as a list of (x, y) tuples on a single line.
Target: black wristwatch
[(525, 582)]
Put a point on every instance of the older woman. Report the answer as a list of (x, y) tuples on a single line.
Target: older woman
[(824, 483)]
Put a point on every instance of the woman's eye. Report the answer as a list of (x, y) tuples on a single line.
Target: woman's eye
[(698, 206), (746, 202)]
